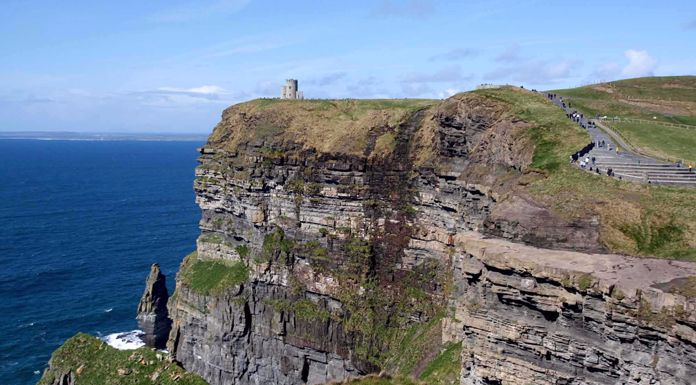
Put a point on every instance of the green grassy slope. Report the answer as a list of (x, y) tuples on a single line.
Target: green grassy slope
[(93, 362), (211, 277), (635, 219), (657, 99)]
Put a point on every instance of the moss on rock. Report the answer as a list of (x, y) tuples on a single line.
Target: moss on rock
[(90, 361)]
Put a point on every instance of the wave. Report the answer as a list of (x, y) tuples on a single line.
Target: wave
[(125, 340)]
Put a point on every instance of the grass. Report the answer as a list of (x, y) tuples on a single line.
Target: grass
[(304, 309), (379, 380), (407, 353), (659, 99), (553, 136), (664, 142), (329, 126), (446, 367), (93, 362), (385, 144), (212, 277), (626, 211), (633, 219)]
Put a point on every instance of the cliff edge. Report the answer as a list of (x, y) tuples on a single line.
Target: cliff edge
[(447, 241)]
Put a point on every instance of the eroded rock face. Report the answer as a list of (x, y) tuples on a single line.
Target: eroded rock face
[(153, 316), (334, 243), (532, 316)]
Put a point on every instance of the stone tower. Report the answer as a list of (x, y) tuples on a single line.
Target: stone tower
[(289, 90)]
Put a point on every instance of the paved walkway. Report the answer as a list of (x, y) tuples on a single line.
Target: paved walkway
[(623, 164)]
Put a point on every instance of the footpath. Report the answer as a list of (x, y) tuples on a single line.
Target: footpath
[(610, 155)]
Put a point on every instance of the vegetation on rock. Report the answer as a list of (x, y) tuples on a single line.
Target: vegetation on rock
[(93, 362), (627, 211), (212, 277), (329, 126)]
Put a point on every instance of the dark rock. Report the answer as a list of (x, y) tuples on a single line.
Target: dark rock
[(153, 316)]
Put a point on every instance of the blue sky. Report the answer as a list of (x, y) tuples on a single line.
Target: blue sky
[(173, 65)]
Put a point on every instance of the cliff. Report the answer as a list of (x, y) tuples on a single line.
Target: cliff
[(84, 359), (338, 230), (443, 240), (153, 316)]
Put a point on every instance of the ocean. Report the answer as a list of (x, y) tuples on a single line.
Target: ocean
[(80, 224)]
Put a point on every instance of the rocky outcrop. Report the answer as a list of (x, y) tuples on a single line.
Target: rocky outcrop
[(343, 251), (66, 378), (533, 316), (153, 316)]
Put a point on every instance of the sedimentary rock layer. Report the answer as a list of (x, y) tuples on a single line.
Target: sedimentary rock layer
[(340, 248), (533, 316), (153, 316)]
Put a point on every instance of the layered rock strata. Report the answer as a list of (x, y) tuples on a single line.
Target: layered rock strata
[(153, 316), (344, 249), (532, 316)]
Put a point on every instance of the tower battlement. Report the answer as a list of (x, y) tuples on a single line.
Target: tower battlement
[(290, 91)]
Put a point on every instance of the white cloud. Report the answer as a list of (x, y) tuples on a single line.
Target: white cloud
[(174, 96), (207, 91), (640, 63), (447, 93)]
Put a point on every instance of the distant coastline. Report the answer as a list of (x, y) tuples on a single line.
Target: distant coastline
[(93, 136)]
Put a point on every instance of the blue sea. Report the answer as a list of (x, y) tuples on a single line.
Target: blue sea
[(80, 224)]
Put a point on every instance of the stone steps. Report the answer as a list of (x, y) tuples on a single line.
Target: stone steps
[(642, 168), (627, 165), (641, 171), (673, 182), (654, 174)]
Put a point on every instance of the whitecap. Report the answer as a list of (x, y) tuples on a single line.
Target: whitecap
[(108, 310), (37, 372), (26, 325), (125, 340)]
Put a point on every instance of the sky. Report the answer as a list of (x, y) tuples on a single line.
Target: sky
[(172, 66)]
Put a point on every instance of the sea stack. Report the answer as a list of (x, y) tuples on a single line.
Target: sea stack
[(153, 317)]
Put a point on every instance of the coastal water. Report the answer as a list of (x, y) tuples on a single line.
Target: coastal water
[(80, 224)]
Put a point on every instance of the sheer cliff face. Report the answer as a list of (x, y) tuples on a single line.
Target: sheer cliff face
[(367, 221)]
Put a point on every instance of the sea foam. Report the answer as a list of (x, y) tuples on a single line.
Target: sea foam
[(125, 340)]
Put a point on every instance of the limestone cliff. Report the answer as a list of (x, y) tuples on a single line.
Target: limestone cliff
[(153, 316), (331, 230), (443, 240)]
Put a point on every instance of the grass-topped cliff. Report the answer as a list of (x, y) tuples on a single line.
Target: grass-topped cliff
[(538, 139), (346, 126), (331, 230), (666, 100), (635, 219), (86, 360)]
